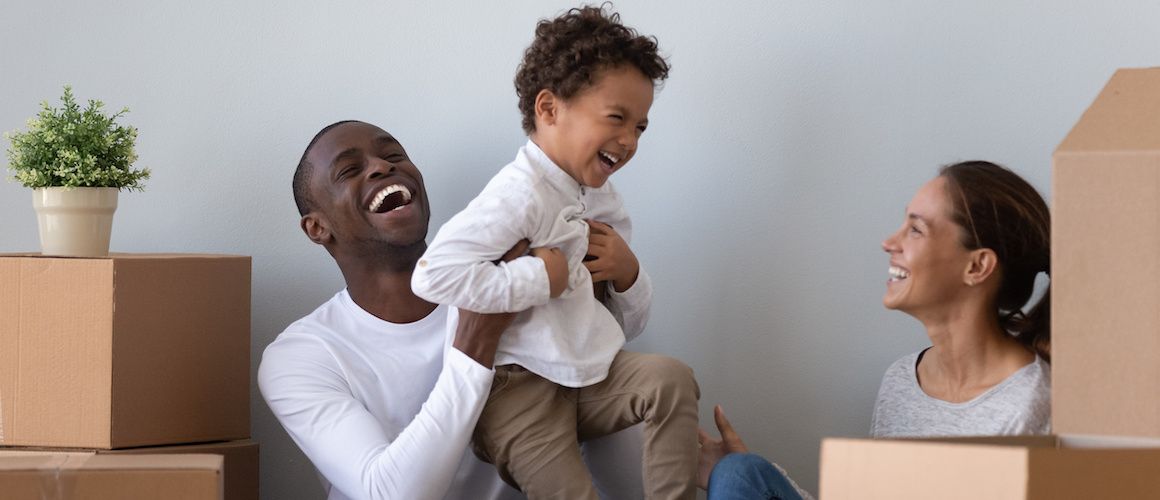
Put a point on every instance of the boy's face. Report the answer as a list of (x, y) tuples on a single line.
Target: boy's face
[(596, 132)]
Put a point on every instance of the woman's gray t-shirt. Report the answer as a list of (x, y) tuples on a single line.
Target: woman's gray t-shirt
[(1019, 405)]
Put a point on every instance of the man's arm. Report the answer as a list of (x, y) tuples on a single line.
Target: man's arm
[(309, 394)]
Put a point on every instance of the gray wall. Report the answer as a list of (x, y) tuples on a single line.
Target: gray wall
[(781, 152)]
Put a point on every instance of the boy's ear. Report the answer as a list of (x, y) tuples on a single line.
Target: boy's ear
[(546, 107), (982, 265), (316, 228)]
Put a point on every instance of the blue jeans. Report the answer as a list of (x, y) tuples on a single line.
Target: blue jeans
[(743, 476)]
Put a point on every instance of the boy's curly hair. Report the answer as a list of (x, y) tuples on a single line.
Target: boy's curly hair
[(570, 50)]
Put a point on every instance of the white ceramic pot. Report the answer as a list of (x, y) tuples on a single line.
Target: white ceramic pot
[(75, 222)]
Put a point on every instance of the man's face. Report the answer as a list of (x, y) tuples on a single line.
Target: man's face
[(365, 188)]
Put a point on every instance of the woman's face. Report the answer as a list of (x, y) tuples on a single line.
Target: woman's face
[(927, 260)]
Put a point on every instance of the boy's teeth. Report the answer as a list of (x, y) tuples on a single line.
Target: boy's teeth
[(897, 273), (611, 159), (387, 191)]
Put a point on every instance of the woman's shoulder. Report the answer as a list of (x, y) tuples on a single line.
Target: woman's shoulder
[(905, 366), (1032, 383)]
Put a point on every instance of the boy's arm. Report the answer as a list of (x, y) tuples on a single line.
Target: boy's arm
[(627, 287), (459, 267)]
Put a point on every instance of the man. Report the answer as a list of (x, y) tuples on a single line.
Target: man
[(368, 385)]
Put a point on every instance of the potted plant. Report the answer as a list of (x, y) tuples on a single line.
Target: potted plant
[(76, 161)]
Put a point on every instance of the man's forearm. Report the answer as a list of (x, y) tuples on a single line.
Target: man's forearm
[(477, 335)]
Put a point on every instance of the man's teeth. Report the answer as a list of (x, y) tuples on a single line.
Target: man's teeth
[(897, 273), (387, 191), (611, 159)]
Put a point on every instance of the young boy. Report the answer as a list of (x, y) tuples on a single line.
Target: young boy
[(585, 87)]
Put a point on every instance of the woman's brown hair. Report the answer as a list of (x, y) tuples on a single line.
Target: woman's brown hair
[(999, 210)]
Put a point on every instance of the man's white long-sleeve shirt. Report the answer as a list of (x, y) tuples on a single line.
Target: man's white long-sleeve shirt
[(382, 410), (385, 410), (571, 339)]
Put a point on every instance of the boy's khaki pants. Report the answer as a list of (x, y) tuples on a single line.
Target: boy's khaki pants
[(531, 428)]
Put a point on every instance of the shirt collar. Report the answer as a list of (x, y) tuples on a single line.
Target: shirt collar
[(552, 172)]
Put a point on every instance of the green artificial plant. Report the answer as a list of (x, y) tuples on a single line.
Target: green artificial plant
[(74, 147)]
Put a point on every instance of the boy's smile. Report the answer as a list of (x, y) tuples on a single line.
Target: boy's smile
[(596, 132)]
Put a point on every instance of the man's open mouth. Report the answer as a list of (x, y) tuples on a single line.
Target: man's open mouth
[(392, 197)]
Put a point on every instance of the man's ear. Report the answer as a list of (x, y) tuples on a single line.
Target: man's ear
[(316, 228), (982, 266), (547, 107)]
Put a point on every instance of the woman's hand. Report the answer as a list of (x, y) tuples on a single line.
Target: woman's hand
[(713, 450)]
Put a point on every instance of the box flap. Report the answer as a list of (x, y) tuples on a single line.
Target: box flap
[(112, 477), (870, 469), (103, 461), (1125, 116), (1105, 288), (1094, 473), (124, 256), (44, 461)]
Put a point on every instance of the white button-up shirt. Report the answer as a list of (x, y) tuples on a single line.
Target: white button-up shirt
[(571, 339)]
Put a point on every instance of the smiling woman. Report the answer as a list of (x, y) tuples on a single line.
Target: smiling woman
[(964, 263)]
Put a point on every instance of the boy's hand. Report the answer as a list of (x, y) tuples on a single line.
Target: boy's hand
[(557, 266), (611, 258), (713, 450)]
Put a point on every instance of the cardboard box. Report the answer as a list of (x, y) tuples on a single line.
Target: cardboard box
[(111, 477), (125, 351), (995, 468), (1106, 264), (239, 466)]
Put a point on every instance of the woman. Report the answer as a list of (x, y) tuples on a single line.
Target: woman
[(964, 263)]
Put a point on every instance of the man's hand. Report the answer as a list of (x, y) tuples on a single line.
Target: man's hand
[(477, 335), (713, 450), (610, 258), (520, 250), (557, 265)]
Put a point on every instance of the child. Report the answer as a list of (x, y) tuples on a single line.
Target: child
[(585, 87)]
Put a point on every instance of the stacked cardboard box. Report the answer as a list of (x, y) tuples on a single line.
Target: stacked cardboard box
[(1105, 338), (131, 354)]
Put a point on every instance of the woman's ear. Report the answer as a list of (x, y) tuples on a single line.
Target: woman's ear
[(316, 228), (546, 107), (982, 266)]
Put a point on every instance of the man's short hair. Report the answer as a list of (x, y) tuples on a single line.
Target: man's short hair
[(305, 170)]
